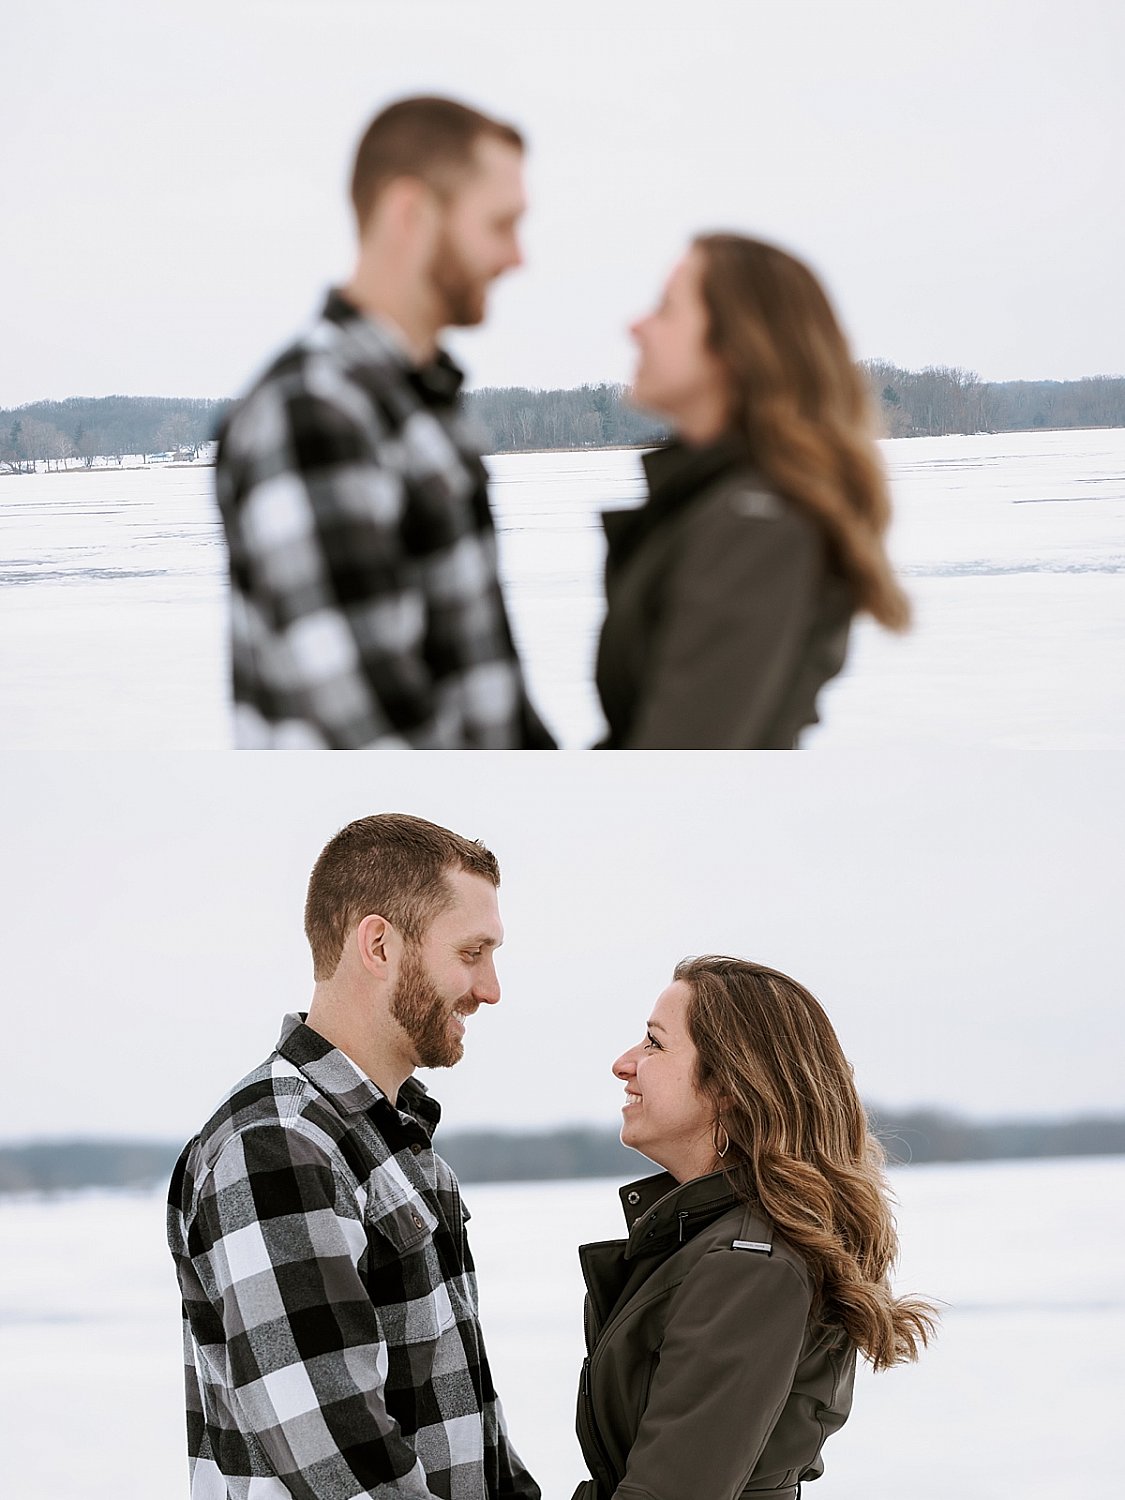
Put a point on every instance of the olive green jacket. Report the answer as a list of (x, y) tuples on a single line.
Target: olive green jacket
[(708, 1375), (725, 616)]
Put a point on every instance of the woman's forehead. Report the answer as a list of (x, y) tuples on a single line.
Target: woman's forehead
[(671, 1005)]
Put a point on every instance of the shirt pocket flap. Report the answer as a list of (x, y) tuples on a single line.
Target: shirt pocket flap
[(406, 1226)]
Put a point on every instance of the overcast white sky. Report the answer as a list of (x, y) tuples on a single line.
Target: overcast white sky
[(958, 916), (175, 173)]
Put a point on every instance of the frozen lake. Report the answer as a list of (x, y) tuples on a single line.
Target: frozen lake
[(1025, 1255), (112, 590)]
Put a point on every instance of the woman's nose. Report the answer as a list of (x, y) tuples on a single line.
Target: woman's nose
[(625, 1066)]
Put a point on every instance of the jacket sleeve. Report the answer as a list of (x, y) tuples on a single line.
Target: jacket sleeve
[(313, 501), (276, 1240), (735, 618), (733, 1338)]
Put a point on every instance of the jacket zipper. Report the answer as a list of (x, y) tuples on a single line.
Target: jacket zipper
[(591, 1438), (588, 1433)]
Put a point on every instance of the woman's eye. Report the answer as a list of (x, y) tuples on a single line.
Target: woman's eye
[(650, 1040)]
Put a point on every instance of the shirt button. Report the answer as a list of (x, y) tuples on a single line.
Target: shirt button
[(418, 1221), (417, 1148), (634, 1197)]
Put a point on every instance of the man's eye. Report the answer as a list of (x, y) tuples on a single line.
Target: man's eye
[(474, 955)]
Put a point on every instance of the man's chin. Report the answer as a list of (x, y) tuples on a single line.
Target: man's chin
[(465, 307), (445, 1057), (465, 317)]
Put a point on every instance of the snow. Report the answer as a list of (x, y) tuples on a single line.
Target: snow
[(1012, 547), (1012, 1402)]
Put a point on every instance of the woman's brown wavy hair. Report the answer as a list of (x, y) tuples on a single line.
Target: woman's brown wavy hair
[(801, 405), (801, 1147)]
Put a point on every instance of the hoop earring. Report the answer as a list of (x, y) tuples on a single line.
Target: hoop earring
[(722, 1150)]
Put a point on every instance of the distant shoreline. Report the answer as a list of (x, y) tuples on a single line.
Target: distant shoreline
[(938, 401), (910, 1137), (157, 465)]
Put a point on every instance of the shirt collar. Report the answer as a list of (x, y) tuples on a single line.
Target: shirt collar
[(438, 381), (333, 1073)]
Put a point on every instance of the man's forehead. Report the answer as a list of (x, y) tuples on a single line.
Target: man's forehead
[(475, 905), (495, 155), (498, 167)]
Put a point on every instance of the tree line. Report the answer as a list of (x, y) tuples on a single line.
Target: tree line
[(936, 401), (59, 434), (514, 419), (909, 1136), (942, 400)]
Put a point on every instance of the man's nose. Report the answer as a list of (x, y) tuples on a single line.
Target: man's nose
[(487, 987)]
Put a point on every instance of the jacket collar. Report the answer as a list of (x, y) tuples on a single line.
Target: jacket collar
[(333, 1073), (661, 1212), (676, 474)]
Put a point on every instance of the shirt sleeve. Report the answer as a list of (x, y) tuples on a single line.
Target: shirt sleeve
[(314, 496), (736, 617), (513, 1480), (732, 1342), (276, 1240)]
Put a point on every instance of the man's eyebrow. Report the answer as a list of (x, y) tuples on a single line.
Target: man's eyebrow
[(483, 941)]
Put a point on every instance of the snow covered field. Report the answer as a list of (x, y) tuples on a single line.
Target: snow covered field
[(1014, 1402), (1012, 546)]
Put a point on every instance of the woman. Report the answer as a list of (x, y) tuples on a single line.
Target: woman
[(731, 592), (722, 1334)]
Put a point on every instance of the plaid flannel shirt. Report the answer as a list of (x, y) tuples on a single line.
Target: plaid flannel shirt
[(365, 604), (332, 1346)]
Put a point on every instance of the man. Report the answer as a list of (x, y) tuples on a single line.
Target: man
[(365, 605), (330, 1312)]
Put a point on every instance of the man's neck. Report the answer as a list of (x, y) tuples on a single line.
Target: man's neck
[(372, 1054), (409, 317)]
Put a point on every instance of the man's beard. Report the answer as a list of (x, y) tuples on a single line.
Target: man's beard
[(462, 296), (424, 1015)]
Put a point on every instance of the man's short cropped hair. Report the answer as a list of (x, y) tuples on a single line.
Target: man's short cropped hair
[(391, 865), (427, 137)]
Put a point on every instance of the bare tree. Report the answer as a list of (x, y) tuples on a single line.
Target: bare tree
[(88, 444), (43, 441)]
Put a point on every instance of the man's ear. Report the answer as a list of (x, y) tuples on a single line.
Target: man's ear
[(375, 940), (410, 208)]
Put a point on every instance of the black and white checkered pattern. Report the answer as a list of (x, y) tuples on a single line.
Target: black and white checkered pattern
[(331, 1339), (365, 605)]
